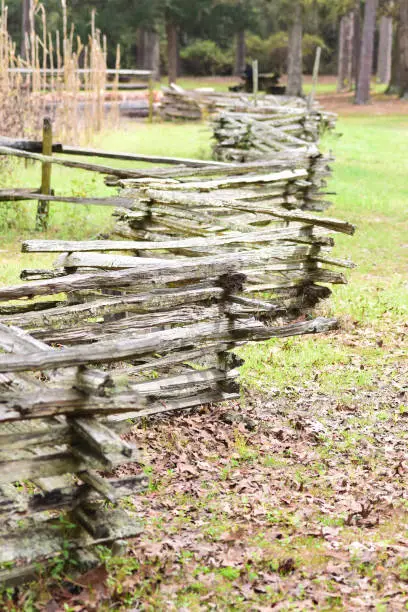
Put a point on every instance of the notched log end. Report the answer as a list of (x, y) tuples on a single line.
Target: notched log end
[(322, 325), (232, 283), (312, 294)]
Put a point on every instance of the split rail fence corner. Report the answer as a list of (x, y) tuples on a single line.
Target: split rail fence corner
[(248, 127), (122, 79), (209, 256)]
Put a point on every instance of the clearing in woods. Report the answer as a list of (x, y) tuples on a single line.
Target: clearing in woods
[(297, 497)]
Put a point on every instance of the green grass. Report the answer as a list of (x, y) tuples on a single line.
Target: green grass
[(326, 85), (219, 84), (370, 180), (371, 191)]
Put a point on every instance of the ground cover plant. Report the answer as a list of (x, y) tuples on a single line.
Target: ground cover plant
[(296, 497)]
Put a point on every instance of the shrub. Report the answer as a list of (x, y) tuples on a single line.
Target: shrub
[(271, 52), (278, 51), (205, 57), (310, 44)]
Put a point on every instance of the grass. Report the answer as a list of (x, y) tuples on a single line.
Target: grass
[(370, 182), (326, 84), (278, 515)]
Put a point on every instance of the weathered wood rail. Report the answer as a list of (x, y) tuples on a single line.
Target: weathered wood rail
[(42, 151), (249, 133), (11, 146), (209, 214), (247, 136), (58, 458)]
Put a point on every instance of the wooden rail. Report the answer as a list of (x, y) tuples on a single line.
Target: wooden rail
[(61, 71), (42, 151), (28, 149)]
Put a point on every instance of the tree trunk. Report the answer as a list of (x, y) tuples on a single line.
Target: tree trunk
[(393, 85), (240, 53), (345, 52), (341, 64), (150, 52), (172, 51), (295, 56), (25, 27), (356, 41), (403, 49), (367, 53), (155, 55), (141, 51), (385, 50)]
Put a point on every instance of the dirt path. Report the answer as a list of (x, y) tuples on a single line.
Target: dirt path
[(380, 105)]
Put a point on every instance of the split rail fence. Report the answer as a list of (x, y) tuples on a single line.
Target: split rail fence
[(120, 79), (248, 127), (210, 256), (193, 105), (95, 350)]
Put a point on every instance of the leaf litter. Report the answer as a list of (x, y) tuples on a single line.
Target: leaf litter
[(286, 500)]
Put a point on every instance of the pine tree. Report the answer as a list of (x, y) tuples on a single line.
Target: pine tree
[(403, 48), (295, 56), (367, 52)]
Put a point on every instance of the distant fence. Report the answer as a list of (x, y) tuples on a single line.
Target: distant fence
[(193, 105), (124, 79), (248, 127)]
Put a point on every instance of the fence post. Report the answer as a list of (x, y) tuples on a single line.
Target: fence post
[(151, 100), (43, 207), (315, 78), (255, 78)]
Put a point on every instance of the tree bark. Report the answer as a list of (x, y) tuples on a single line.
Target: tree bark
[(155, 55), (148, 55), (345, 65), (340, 65), (356, 41), (295, 56), (141, 51), (240, 53), (367, 53), (393, 85), (385, 50), (172, 51), (25, 27), (403, 49)]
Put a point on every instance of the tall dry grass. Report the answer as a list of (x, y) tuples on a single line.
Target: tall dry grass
[(60, 75)]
